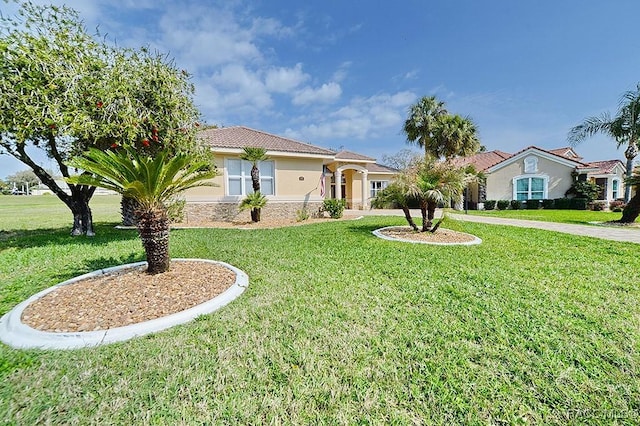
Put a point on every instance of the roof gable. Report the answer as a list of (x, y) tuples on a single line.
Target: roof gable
[(549, 155), (607, 167), (239, 137), (353, 156)]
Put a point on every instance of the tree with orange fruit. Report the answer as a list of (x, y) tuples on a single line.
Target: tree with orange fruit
[(63, 91)]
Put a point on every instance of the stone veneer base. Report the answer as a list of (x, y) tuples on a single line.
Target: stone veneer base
[(227, 212)]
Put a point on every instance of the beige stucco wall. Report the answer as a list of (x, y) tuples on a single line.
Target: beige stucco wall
[(500, 182), (295, 179)]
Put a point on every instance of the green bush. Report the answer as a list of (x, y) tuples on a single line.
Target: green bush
[(516, 204), (302, 215), (562, 203), (334, 207), (502, 204), (533, 204), (490, 204), (548, 204), (578, 203)]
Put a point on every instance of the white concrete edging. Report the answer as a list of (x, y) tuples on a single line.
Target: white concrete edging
[(18, 335), (379, 234)]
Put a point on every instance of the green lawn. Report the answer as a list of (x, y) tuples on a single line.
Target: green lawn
[(339, 327), (565, 216)]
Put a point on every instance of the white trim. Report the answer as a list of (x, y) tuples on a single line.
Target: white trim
[(353, 167), (551, 157), (545, 187), (238, 151)]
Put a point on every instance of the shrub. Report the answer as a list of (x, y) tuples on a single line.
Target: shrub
[(502, 204), (490, 204), (617, 205), (598, 206), (516, 204), (533, 204), (562, 203), (584, 189), (578, 203), (302, 214), (334, 207), (548, 204)]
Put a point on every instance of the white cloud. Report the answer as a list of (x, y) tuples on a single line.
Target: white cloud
[(283, 80), (328, 92), (362, 118)]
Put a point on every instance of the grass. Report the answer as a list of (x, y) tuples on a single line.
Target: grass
[(339, 327), (583, 217)]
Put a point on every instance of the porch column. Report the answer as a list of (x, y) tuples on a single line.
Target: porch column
[(365, 191), (338, 179)]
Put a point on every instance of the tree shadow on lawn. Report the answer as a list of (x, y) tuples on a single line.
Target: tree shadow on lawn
[(95, 264), (22, 239)]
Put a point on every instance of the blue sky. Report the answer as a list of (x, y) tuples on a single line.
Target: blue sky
[(341, 73)]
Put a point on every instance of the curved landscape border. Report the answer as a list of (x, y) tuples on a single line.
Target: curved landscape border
[(16, 334), (379, 234)]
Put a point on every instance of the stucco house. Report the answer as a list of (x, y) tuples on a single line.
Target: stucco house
[(536, 173), (296, 176)]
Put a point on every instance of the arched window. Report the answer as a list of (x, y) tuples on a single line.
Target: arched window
[(530, 187), (531, 164)]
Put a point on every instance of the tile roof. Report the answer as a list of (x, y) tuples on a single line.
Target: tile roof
[(567, 152), (605, 167), (349, 155), (239, 137), (482, 160), (379, 168)]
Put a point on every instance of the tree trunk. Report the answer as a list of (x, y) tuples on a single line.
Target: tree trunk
[(255, 215), (426, 223), (630, 153), (631, 210), (431, 212), (128, 208), (255, 178), (153, 228), (407, 215), (82, 217)]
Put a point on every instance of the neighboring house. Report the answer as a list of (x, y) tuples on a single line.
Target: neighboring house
[(296, 176), (536, 173), (42, 189)]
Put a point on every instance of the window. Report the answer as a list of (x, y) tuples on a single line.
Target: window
[(531, 165), (239, 177), (530, 188), (377, 186), (615, 188)]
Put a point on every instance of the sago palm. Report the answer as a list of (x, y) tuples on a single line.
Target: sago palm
[(151, 181), (254, 201)]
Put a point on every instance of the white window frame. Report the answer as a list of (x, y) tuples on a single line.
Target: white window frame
[(531, 164), (245, 177), (373, 191), (615, 188), (545, 186)]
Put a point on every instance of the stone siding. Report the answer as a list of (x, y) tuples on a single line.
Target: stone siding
[(228, 212)]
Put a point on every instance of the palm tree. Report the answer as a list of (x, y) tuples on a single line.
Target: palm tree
[(624, 128), (254, 155), (152, 182), (254, 201), (435, 183), (424, 119), (397, 195), (632, 209), (455, 136)]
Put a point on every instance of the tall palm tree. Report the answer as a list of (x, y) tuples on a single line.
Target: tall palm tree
[(152, 182), (423, 121), (624, 128), (632, 209), (455, 136), (254, 155)]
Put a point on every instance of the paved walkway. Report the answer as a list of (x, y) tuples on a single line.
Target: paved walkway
[(625, 234)]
